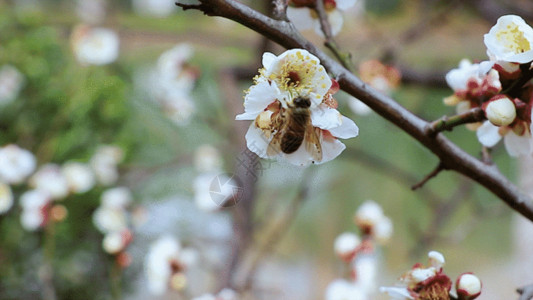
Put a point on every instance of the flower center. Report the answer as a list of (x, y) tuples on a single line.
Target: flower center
[(514, 38), (293, 79)]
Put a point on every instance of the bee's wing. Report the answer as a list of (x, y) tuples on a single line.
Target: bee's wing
[(274, 147), (312, 142)]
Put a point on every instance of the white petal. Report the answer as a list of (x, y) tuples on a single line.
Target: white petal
[(256, 141), (258, 98), (488, 135), (268, 59), (325, 117), (331, 148), (300, 157), (396, 292), (345, 4), (517, 145), (358, 107), (300, 17), (346, 130)]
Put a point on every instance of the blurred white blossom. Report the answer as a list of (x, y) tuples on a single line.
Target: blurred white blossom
[(11, 82), (161, 263), (104, 164), (80, 177), (15, 164), (341, 289), (49, 178), (170, 82), (95, 46), (112, 215), (34, 204), (207, 159)]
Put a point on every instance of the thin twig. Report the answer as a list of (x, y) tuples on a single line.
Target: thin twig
[(433, 173), (330, 43), (448, 123)]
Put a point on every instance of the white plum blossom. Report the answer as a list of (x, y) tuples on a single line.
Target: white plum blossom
[(510, 40), (170, 82), (104, 164), (95, 46), (16, 164), (34, 204), (305, 17), (11, 82), (154, 8), (6, 197), (341, 289), (49, 178), (163, 265), (79, 176), (294, 74)]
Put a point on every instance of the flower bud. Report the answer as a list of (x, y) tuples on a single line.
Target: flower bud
[(346, 245), (468, 286), (500, 111), (436, 259)]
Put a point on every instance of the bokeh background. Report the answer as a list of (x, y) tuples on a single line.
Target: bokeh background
[(65, 110)]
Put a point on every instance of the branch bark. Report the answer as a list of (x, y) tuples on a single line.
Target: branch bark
[(451, 156)]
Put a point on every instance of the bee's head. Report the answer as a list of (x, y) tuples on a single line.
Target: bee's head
[(301, 102)]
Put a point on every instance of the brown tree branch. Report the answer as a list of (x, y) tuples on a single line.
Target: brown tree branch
[(449, 154), (448, 123)]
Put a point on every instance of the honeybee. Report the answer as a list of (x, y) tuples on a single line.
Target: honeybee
[(294, 129)]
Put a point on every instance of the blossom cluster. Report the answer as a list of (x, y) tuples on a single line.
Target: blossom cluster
[(360, 253), (303, 15), (51, 183), (170, 83), (294, 112), (500, 86), (431, 283)]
